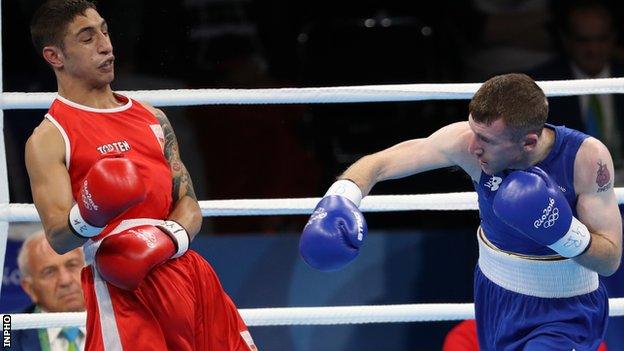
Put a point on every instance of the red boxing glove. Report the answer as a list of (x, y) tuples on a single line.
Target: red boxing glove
[(111, 187), (126, 258)]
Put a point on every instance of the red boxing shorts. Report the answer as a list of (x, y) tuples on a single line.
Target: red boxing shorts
[(181, 306)]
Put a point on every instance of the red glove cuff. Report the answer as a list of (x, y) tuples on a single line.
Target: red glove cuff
[(79, 226), (178, 234)]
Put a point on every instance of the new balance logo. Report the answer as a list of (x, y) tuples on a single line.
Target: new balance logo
[(494, 183)]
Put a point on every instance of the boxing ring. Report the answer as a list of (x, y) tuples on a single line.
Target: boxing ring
[(349, 94)]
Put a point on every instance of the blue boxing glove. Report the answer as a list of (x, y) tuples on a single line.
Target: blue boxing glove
[(531, 202), (336, 230)]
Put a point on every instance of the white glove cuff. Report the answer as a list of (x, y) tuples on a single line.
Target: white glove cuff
[(178, 234), (346, 188), (79, 226), (574, 242)]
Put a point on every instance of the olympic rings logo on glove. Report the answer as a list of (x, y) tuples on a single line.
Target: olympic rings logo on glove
[(549, 215), (87, 199), (554, 216), (148, 237)]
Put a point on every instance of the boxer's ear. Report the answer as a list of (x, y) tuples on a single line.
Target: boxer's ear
[(53, 56), (529, 141)]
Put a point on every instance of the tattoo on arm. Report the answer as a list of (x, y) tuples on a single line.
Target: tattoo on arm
[(603, 177), (182, 183)]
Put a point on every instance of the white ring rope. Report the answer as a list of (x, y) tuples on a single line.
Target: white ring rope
[(307, 315), (347, 94), (266, 207)]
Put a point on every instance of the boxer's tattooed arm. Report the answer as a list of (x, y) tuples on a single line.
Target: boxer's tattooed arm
[(603, 177), (182, 183)]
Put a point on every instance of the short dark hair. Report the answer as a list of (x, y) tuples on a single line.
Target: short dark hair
[(515, 98), (49, 23)]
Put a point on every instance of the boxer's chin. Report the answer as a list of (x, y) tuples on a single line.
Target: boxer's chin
[(485, 167)]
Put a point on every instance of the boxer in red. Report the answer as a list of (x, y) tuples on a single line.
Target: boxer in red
[(135, 210)]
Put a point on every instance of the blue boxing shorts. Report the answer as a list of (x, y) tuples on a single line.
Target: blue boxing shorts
[(533, 304)]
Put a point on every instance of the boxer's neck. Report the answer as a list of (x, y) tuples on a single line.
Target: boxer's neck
[(544, 145)]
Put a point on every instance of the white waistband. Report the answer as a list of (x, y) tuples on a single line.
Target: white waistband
[(90, 247), (541, 278)]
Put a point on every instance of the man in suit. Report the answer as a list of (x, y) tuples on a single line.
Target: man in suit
[(588, 38), (52, 282)]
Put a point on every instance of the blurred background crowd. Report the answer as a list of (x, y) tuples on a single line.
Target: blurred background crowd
[(274, 151)]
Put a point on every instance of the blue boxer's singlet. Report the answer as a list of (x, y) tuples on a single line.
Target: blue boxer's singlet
[(559, 164), (516, 318)]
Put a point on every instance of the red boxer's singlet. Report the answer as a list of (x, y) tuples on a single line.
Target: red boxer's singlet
[(181, 304)]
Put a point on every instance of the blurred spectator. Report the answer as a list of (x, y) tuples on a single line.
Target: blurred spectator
[(463, 337), (588, 36), (52, 282), (260, 150), (588, 39), (502, 36)]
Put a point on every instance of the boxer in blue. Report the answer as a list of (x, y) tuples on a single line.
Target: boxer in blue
[(549, 217)]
